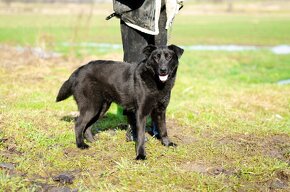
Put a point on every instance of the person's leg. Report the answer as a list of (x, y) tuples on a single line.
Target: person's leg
[(133, 43), (159, 40)]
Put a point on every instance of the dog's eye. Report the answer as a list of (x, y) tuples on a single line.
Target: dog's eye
[(168, 56), (157, 56)]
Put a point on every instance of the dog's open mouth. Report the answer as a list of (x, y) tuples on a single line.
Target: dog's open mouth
[(163, 78)]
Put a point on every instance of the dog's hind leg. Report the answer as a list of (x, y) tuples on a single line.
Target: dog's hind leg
[(88, 115), (105, 107), (88, 133), (84, 118)]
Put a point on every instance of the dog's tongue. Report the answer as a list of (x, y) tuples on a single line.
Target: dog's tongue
[(163, 78)]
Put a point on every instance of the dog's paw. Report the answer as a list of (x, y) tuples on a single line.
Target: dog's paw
[(83, 146), (141, 157)]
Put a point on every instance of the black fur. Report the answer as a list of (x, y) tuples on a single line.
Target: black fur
[(142, 89)]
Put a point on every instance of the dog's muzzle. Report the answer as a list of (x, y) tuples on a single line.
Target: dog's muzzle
[(163, 78), (163, 74)]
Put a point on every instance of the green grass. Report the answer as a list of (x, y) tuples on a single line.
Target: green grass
[(232, 29), (50, 31), (227, 113)]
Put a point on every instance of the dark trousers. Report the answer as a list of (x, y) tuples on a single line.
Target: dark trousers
[(134, 41)]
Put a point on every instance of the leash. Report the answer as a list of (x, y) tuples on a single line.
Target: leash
[(113, 15)]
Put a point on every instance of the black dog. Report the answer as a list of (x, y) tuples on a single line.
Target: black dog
[(142, 89)]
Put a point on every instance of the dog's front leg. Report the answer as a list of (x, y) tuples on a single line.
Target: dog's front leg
[(140, 144), (159, 117)]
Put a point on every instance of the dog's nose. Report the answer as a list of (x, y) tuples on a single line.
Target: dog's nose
[(163, 69)]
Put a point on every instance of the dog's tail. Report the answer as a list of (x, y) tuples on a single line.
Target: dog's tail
[(65, 90)]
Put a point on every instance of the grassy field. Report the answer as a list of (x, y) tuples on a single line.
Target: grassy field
[(197, 29), (48, 27), (227, 114)]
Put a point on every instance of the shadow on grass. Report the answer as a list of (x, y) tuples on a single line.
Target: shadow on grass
[(109, 121)]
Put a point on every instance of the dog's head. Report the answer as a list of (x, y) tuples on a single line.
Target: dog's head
[(162, 60)]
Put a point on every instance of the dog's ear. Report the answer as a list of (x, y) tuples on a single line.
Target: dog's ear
[(177, 50), (148, 50)]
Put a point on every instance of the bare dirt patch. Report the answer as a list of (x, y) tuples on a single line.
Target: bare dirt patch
[(182, 134), (9, 148), (274, 146), (13, 57), (201, 167)]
